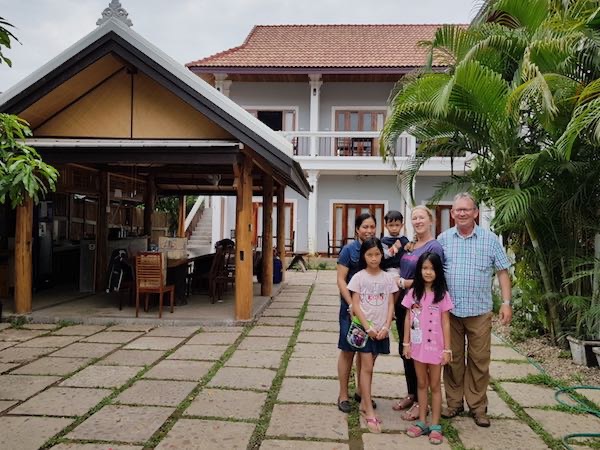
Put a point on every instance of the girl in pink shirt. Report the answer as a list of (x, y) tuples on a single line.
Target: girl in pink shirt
[(427, 339)]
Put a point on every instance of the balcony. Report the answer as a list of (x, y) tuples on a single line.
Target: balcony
[(345, 144)]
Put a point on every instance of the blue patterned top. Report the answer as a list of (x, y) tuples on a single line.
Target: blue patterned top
[(469, 267)]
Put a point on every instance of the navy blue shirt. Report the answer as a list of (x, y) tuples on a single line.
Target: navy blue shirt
[(393, 261)]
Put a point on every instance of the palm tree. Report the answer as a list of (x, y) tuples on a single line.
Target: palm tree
[(510, 91)]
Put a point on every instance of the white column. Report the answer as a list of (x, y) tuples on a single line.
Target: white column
[(315, 100), (313, 180), (222, 84)]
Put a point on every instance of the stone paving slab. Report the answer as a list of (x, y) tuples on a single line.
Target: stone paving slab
[(308, 390), (174, 369), (497, 340), (306, 367), (500, 352), (295, 305), (280, 312), (196, 434), (178, 331), (131, 358), (86, 349), (503, 434), (21, 387), (531, 395), (5, 367), (52, 366), (383, 441), (498, 407), (131, 327), (74, 446), (199, 352), (122, 423), (80, 330), (213, 339), (4, 326), (61, 401), (322, 337), (154, 343), (40, 326), (315, 351), (559, 423), (277, 444), (49, 341), (6, 344), (101, 376), (113, 337), (292, 299), (264, 343), (324, 300), (5, 404), (314, 325), (323, 309), (222, 329), (291, 287), (391, 419), (318, 421), (504, 370), (243, 378), (248, 358), (20, 335), (282, 321), (391, 363), (388, 385), (29, 433), (323, 317), (271, 331), (227, 403), (23, 354), (593, 395), (156, 392)]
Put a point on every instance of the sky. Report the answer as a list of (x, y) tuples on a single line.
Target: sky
[(192, 29)]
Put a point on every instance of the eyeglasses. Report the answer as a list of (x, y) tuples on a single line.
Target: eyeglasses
[(463, 210)]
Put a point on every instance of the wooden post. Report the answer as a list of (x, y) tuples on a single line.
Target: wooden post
[(149, 205), (102, 234), (23, 258), (281, 227), (181, 218), (266, 286), (243, 239)]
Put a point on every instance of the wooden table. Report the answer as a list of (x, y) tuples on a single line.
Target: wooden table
[(177, 271)]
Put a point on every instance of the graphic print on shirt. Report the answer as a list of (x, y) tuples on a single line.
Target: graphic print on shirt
[(416, 335), (373, 295)]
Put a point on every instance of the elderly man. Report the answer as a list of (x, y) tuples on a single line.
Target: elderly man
[(472, 255)]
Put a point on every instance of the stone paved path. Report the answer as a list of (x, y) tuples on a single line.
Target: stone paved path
[(269, 386)]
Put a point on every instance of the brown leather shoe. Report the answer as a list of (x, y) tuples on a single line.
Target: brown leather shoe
[(481, 420), (449, 412)]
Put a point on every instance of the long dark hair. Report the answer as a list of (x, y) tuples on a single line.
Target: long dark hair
[(439, 285), (365, 247)]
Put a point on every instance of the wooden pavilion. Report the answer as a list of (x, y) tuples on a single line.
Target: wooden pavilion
[(114, 107)]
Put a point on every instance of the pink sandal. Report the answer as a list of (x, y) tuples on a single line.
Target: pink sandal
[(435, 434), (418, 429), (373, 424), (404, 403), (412, 413)]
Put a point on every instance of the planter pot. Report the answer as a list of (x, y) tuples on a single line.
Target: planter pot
[(582, 352), (596, 351)]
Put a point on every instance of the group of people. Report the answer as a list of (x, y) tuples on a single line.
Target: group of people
[(439, 292)]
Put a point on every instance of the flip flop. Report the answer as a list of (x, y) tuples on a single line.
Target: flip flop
[(412, 413), (373, 424), (344, 406)]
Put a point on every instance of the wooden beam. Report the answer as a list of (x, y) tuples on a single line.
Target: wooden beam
[(243, 240), (281, 227), (102, 234), (181, 217), (266, 286), (149, 205), (23, 258)]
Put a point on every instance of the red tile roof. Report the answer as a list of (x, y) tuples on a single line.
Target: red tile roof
[(326, 46)]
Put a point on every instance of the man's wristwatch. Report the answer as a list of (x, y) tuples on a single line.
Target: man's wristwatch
[(507, 302)]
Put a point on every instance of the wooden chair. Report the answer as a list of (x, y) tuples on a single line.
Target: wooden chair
[(149, 279), (211, 276), (332, 247)]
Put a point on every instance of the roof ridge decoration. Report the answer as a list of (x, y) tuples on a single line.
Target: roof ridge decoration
[(115, 10)]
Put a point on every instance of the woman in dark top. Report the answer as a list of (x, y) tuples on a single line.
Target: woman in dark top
[(347, 267)]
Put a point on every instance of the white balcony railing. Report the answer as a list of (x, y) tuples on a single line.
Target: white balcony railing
[(345, 143)]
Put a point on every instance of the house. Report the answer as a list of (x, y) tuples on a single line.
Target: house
[(326, 89)]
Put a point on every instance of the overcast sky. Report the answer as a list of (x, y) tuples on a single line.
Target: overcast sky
[(192, 29)]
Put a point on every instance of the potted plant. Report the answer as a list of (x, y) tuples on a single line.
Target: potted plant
[(586, 335)]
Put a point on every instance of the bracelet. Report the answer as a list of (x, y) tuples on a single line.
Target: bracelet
[(401, 283), (447, 350), (384, 328), (368, 330), (406, 344)]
